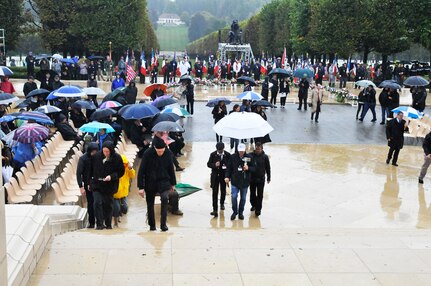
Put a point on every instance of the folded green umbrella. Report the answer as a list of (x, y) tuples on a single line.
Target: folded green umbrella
[(184, 190)]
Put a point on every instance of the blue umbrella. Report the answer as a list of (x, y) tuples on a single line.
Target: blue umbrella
[(95, 126), (7, 118), (389, 84), (303, 73), (36, 92), (6, 98), (5, 71), (140, 111), (68, 61), (39, 117), (51, 95), (84, 104), (69, 91), (416, 81), (215, 101), (250, 95), (407, 111)]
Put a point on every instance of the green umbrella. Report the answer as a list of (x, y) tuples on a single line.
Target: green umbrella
[(184, 190)]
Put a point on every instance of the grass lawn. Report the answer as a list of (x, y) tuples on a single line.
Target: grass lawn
[(172, 38)]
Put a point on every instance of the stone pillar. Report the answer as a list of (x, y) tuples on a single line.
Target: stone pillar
[(3, 255)]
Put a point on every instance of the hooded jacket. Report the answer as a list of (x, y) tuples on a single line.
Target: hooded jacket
[(131, 93), (102, 167), (124, 185), (85, 163), (235, 172), (261, 167)]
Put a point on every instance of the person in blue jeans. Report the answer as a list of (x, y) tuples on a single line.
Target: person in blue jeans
[(370, 103), (238, 174)]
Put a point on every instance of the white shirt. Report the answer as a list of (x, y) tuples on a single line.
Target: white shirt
[(184, 67)]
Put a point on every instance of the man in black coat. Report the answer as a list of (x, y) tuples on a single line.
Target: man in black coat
[(108, 168), (84, 173), (304, 85), (29, 62), (395, 135), (65, 129), (427, 157), (257, 181), (29, 86), (156, 175), (218, 162), (238, 172), (343, 75), (256, 70), (198, 69), (370, 103), (172, 69)]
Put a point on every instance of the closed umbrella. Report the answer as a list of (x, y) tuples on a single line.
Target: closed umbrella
[(139, 111), (163, 101), (216, 101), (365, 83), (36, 116), (250, 95), (167, 126), (185, 190), (416, 81), (149, 89), (161, 117), (95, 126), (408, 111), (84, 104), (242, 125), (5, 71), (6, 98), (110, 104), (93, 91), (177, 110), (243, 79), (102, 114), (47, 109), (69, 91), (303, 73), (31, 133), (37, 92)]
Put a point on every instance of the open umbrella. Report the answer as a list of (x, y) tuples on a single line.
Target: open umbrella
[(163, 101), (184, 190), (250, 95), (5, 71), (389, 84), (93, 91), (39, 117), (102, 114), (177, 110), (95, 126), (47, 109), (408, 111), (110, 104), (264, 103), (416, 81), (149, 89), (68, 61), (95, 58), (124, 108), (31, 133), (51, 95), (57, 56), (243, 79), (6, 98), (69, 91), (216, 101), (185, 78), (139, 111), (37, 92), (280, 72), (242, 125), (303, 73), (114, 94), (84, 104), (161, 117), (365, 83), (7, 118), (167, 126), (23, 104)]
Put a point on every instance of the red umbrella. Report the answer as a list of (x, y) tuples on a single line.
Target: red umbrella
[(149, 89)]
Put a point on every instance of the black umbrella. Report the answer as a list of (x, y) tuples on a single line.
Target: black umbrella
[(416, 81), (186, 77), (36, 92), (163, 101), (24, 104), (263, 103), (243, 79), (92, 58), (392, 84), (102, 114), (116, 95), (167, 126), (84, 104), (280, 72), (162, 117)]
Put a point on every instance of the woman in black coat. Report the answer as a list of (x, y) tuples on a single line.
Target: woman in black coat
[(131, 93), (219, 111), (189, 95), (274, 89)]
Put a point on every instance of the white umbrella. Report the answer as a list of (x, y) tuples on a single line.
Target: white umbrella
[(94, 91), (365, 83), (57, 56), (242, 125)]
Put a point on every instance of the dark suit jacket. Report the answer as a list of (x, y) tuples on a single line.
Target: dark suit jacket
[(395, 132), (220, 171)]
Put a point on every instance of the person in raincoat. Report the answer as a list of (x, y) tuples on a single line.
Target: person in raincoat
[(23, 152), (120, 197), (117, 82), (316, 102)]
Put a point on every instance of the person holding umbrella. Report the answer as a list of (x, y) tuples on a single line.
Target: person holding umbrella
[(218, 162), (384, 103), (189, 94), (156, 175), (274, 89), (370, 103), (304, 85), (395, 135), (284, 91), (393, 101), (419, 95), (219, 111), (238, 173)]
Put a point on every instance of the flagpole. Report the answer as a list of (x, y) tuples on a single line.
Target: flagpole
[(110, 50)]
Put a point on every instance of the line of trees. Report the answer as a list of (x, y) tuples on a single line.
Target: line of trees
[(79, 27), (324, 29)]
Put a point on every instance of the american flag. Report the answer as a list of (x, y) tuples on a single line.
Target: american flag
[(131, 74)]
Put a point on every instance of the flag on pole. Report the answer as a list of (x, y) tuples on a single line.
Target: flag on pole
[(348, 65), (284, 59), (143, 64), (131, 74)]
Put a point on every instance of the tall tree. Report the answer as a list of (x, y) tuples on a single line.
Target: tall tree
[(11, 20), (299, 19)]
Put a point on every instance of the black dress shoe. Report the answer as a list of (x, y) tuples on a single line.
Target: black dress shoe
[(374, 120), (222, 207), (387, 161), (153, 228), (233, 217), (241, 217), (421, 181), (252, 209), (298, 109), (109, 227), (100, 227), (214, 213), (164, 228), (179, 169), (90, 226), (257, 213), (395, 164), (317, 121), (382, 123)]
